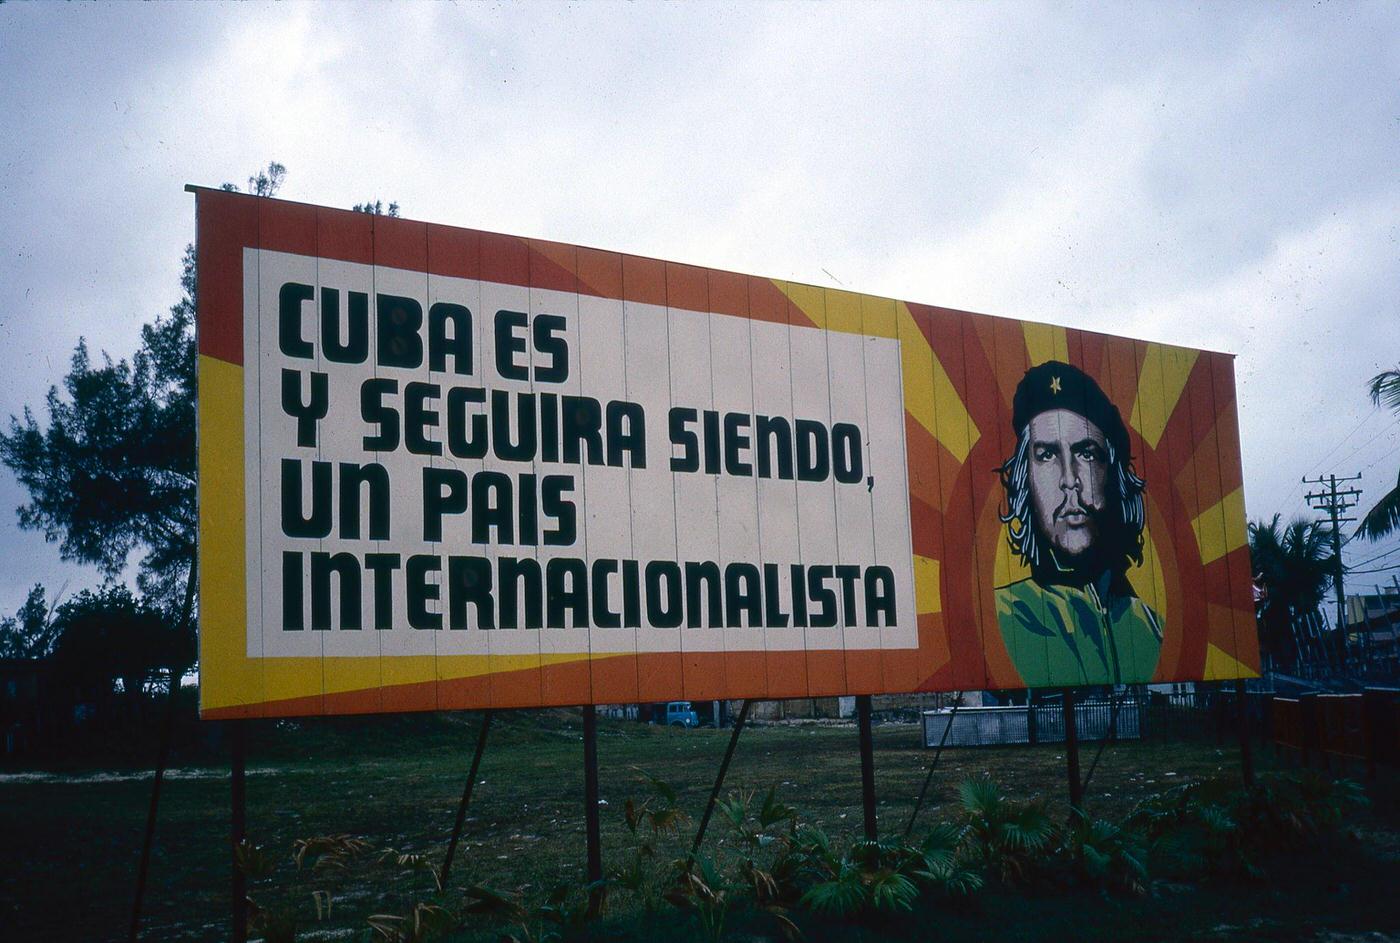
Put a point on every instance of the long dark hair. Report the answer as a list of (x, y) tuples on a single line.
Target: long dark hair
[(1121, 545)]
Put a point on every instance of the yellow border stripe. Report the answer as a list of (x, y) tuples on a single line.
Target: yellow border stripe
[(843, 311), (879, 318), (228, 678), (810, 300)]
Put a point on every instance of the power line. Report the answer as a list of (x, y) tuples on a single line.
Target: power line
[(1380, 439), (1375, 411), (1382, 458), (1377, 557), (1364, 419)]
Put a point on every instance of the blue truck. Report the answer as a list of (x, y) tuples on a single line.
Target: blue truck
[(674, 714)]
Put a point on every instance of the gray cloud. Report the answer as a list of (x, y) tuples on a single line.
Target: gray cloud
[(1219, 177)]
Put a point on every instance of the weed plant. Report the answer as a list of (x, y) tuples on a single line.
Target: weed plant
[(773, 875)]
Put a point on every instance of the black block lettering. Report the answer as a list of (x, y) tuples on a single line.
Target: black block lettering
[(383, 565), (522, 449), (444, 492), (421, 592), (664, 607), (845, 453), (356, 347), (566, 582), (742, 596), (352, 477), (374, 412), (689, 460), (825, 616), (879, 595), (457, 342), (548, 331), (293, 619), (306, 414), (459, 442), (289, 301), (400, 331), (492, 496), (469, 581), (418, 418), (520, 576), (346, 568), (774, 432), (509, 343), (295, 522)]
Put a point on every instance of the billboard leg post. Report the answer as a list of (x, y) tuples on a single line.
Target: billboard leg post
[(919, 803), (1076, 787), (719, 779), (166, 735), (164, 755), (1246, 749), (1112, 737), (238, 819), (867, 764), (466, 797), (590, 808)]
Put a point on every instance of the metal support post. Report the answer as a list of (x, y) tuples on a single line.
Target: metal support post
[(466, 796), (167, 734), (1076, 788), (867, 764), (162, 758), (1114, 703), (590, 810), (933, 766), (719, 779), (1246, 751)]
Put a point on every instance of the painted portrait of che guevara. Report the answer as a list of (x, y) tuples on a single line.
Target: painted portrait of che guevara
[(1074, 515)]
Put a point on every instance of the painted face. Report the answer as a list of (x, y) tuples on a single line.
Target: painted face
[(1069, 468)]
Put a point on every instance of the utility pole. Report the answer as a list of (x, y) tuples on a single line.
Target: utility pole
[(1334, 504)]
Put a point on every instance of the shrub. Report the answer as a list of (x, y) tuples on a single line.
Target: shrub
[(1006, 839)]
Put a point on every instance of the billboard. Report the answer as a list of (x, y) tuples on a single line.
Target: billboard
[(444, 469)]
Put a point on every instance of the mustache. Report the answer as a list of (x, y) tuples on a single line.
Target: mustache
[(1071, 504)]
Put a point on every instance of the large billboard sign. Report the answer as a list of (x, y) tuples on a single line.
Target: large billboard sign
[(443, 468)]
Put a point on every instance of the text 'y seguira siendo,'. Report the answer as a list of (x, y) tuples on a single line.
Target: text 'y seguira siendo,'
[(468, 460)]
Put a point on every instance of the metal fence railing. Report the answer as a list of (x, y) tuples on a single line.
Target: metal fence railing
[(1132, 716)]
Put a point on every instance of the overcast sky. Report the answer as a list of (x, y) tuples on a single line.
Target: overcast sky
[(1215, 175)]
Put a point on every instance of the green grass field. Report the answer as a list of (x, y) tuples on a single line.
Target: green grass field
[(72, 838)]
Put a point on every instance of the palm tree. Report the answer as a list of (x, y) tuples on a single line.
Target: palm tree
[(1294, 566), (1384, 518)]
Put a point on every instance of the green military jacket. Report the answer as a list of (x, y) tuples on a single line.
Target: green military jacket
[(1059, 635)]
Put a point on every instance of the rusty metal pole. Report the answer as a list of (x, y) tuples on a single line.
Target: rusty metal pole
[(719, 779), (166, 735), (919, 804), (590, 810), (142, 869), (867, 764), (466, 796), (1246, 752)]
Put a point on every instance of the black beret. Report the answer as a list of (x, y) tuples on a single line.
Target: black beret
[(1055, 385)]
